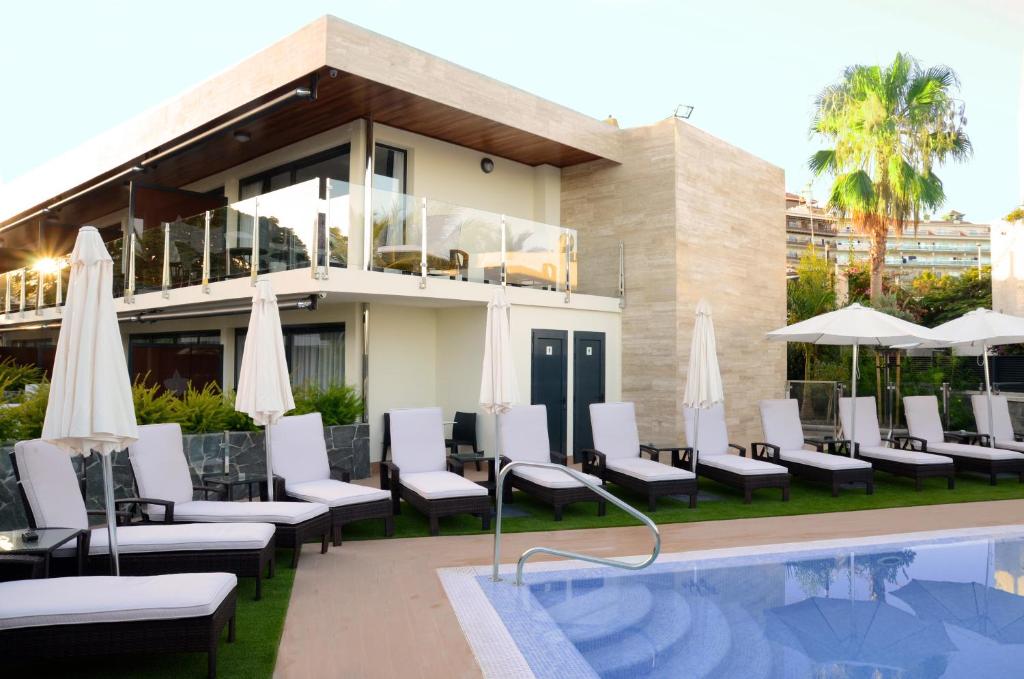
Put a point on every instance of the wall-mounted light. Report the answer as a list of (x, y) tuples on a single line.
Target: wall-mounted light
[(487, 165), (683, 111), (242, 136)]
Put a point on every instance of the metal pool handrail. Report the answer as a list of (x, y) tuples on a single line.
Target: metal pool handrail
[(582, 478)]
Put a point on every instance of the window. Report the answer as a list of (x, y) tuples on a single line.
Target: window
[(389, 201), (332, 164), (175, 360), (315, 354)]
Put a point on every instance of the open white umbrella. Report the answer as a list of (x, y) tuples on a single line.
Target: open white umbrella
[(983, 328), (90, 405), (264, 390), (855, 326), (703, 377), (498, 388)]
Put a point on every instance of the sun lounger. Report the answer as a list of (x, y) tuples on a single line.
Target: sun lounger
[(302, 471), (618, 457), (1003, 425), (524, 438), (830, 463), (53, 498), (162, 475), (927, 435), (419, 470), (894, 458), (42, 620), (716, 463)]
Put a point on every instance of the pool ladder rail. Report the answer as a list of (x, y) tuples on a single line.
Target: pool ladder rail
[(582, 478)]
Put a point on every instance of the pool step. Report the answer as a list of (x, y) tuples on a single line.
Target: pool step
[(704, 646), (751, 655), (601, 614), (641, 649)]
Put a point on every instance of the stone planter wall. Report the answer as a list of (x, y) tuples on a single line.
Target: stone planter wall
[(348, 448)]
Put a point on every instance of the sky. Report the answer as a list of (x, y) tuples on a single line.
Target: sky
[(750, 68)]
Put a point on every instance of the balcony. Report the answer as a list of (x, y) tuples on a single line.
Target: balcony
[(320, 226)]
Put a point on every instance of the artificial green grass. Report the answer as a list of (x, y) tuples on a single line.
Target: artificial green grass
[(805, 498), (259, 625)]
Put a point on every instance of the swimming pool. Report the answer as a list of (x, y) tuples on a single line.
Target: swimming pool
[(915, 606)]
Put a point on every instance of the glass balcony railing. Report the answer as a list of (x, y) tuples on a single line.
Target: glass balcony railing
[(311, 226)]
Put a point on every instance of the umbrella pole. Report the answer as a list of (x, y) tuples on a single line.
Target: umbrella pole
[(497, 452), (853, 402), (108, 497), (988, 398), (696, 437), (270, 464)]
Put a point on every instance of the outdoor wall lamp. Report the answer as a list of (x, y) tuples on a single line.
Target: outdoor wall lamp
[(487, 165), (683, 111)]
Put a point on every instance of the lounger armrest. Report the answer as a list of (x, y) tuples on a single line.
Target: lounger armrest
[(910, 443), (740, 449), (967, 437), (456, 466), (220, 489), (819, 442), (594, 462), (139, 501), (652, 452), (683, 458), (840, 447), (557, 457), (764, 451), (983, 440), (346, 475), (123, 518), (389, 476)]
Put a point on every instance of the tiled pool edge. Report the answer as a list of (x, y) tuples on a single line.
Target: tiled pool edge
[(497, 653)]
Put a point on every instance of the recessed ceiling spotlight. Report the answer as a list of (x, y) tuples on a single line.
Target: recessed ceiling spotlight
[(487, 165), (683, 111), (242, 136)]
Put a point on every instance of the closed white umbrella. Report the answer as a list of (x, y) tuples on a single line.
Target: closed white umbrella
[(856, 325), (703, 377), (90, 403), (264, 390), (981, 329), (498, 388)]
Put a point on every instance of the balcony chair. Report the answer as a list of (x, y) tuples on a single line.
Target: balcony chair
[(524, 438), (890, 455), (423, 475), (784, 444), (716, 463), (464, 434), (162, 473), (302, 472), (53, 498), (1001, 422), (927, 435), (41, 620), (617, 457)]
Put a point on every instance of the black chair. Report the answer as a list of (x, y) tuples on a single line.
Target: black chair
[(463, 434)]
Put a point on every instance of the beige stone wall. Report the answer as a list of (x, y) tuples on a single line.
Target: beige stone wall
[(1008, 267), (698, 218)]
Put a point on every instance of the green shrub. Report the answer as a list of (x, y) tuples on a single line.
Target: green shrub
[(153, 406), (14, 376), (234, 420), (337, 404), (32, 411), (200, 411)]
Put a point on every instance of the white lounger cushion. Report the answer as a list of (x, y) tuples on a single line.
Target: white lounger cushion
[(440, 485), (904, 456), (867, 432), (1011, 445), (160, 467), (741, 465), (649, 470), (780, 423), (823, 460), (711, 429), (614, 428), (524, 434), (77, 601), (289, 513), (180, 537), (1003, 425), (335, 493), (552, 478), (51, 487), (976, 452), (417, 440), (300, 451)]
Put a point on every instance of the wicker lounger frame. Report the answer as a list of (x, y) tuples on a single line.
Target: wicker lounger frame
[(558, 498), (834, 478), (917, 472), (962, 463), (748, 483), (479, 505), (378, 509), (241, 562), (177, 635), (594, 463)]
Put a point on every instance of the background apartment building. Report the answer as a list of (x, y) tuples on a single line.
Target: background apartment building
[(386, 193)]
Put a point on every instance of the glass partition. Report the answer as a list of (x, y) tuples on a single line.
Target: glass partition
[(288, 223), (397, 238), (185, 251), (539, 255), (149, 260), (337, 216), (467, 240), (31, 286)]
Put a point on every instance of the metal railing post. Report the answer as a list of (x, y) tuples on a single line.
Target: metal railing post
[(570, 243), (165, 278), (254, 255), (21, 294), (130, 288), (423, 243), (367, 218), (945, 401), (39, 292), (206, 252), (504, 263), (622, 275), (60, 286), (582, 478), (7, 294)]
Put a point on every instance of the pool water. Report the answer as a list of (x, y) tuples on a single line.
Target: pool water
[(916, 609)]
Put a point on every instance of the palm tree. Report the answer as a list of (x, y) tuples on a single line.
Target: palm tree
[(889, 127)]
